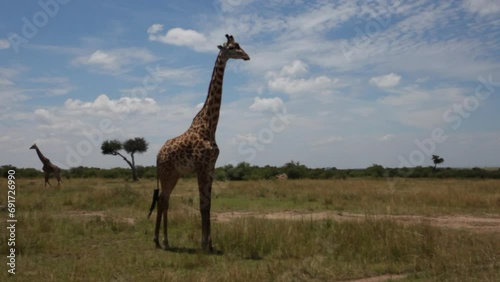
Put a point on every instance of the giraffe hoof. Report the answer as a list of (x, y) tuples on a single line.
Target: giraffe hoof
[(157, 243), (208, 248)]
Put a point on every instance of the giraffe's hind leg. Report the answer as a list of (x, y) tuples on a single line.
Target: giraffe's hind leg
[(167, 183), (158, 221), (59, 180)]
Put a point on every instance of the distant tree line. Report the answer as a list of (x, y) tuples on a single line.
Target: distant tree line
[(85, 172), (294, 170)]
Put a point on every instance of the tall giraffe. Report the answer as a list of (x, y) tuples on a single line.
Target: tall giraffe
[(48, 168), (195, 151)]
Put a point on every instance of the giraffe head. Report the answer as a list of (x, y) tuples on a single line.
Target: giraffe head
[(33, 147), (232, 50)]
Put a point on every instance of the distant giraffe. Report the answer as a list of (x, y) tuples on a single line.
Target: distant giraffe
[(48, 168), (195, 150)]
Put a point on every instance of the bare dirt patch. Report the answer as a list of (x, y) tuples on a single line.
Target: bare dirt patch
[(479, 224)]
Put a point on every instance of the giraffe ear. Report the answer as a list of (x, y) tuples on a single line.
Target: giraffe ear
[(220, 47)]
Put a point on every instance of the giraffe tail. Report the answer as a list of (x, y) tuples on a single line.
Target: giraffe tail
[(155, 199), (155, 194)]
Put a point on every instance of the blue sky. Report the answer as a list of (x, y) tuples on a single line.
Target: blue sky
[(330, 83)]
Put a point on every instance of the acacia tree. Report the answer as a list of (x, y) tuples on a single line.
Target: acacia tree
[(437, 160), (131, 146)]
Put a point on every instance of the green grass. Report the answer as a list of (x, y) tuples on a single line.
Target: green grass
[(96, 230), (429, 197)]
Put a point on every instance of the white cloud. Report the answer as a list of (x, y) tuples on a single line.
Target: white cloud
[(180, 76), (184, 37), (387, 137), (296, 68), (5, 82), (11, 93), (59, 91), (53, 121), (161, 79), (422, 108), (386, 81), (115, 61), (415, 97), (289, 80), (101, 58), (12, 72), (423, 118), (321, 17), (327, 140), (60, 85), (249, 138), (43, 114), (76, 120), (482, 7), (407, 98), (232, 5), (4, 44), (105, 107), (311, 85), (180, 37), (363, 111), (412, 39), (267, 104), (155, 28)]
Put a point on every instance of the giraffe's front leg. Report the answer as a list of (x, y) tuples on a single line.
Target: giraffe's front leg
[(47, 181), (165, 220), (205, 189)]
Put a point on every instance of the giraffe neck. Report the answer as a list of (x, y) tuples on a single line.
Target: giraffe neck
[(205, 122), (41, 156)]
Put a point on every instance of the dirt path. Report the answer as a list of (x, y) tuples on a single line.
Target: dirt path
[(479, 224)]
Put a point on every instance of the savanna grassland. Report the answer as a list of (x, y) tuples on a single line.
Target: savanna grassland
[(295, 230)]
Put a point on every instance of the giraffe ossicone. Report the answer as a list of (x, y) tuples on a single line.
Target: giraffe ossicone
[(195, 150)]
